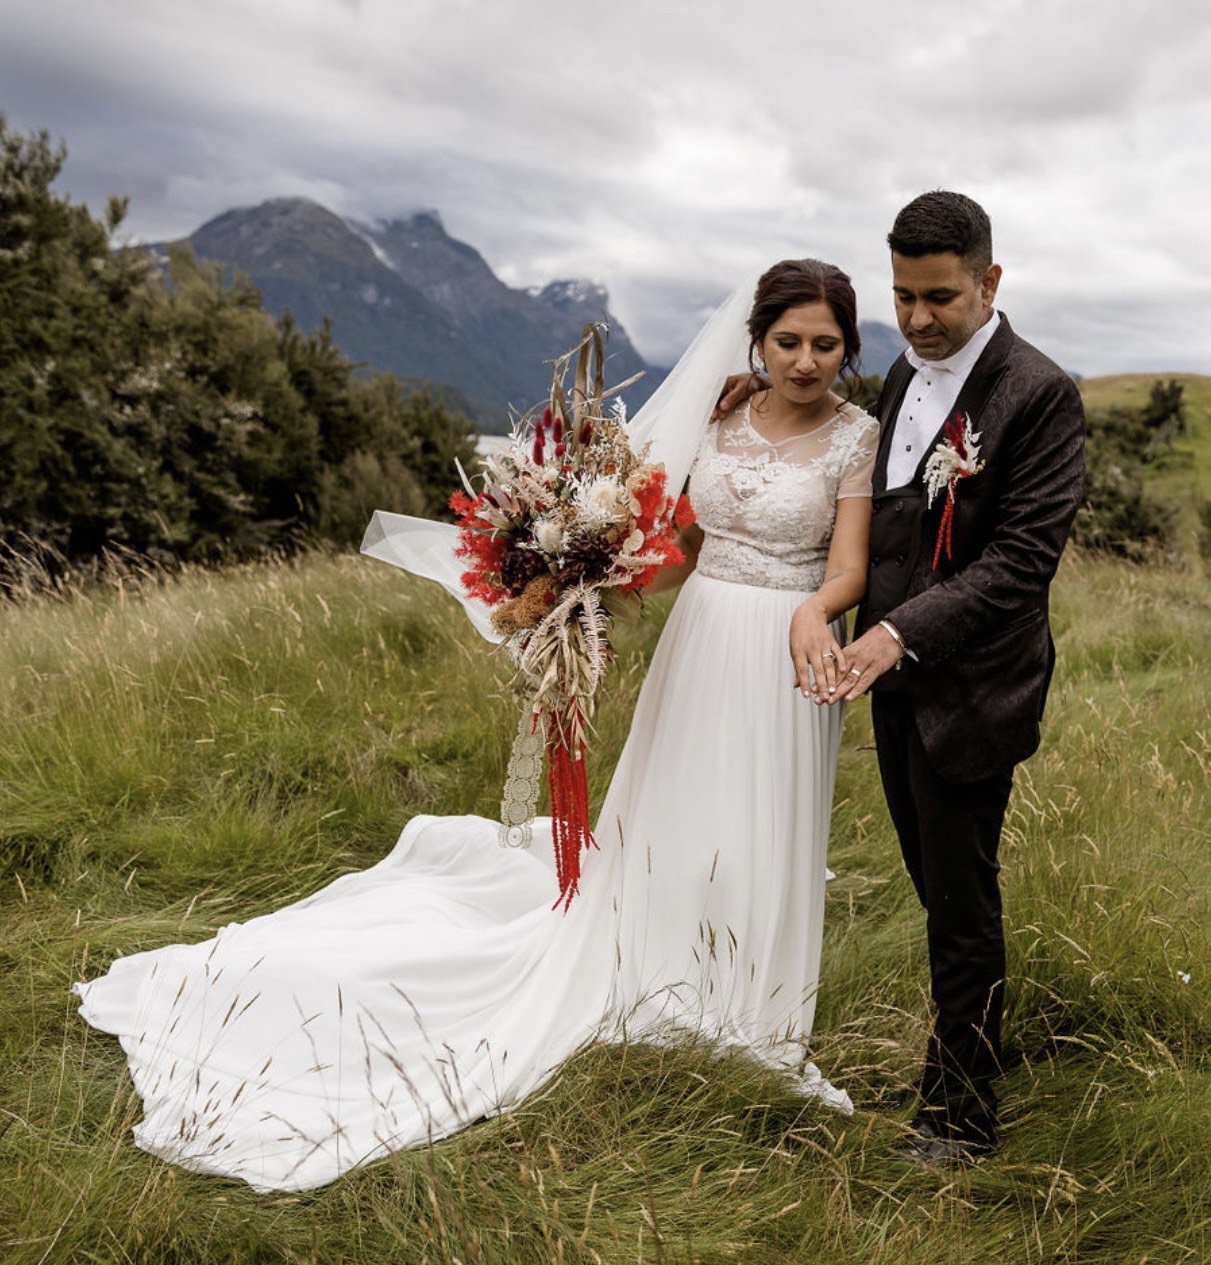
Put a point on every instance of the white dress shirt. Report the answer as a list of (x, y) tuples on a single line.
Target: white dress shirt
[(928, 402)]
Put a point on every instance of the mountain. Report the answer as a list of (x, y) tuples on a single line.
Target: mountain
[(406, 297), (881, 344)]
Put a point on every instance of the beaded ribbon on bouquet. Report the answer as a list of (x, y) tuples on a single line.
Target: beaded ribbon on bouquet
[(569, 525)]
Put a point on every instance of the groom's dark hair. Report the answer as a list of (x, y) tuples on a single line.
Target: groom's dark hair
[(942, 221)]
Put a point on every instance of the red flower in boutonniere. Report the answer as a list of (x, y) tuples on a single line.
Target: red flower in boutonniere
[(956, 457)]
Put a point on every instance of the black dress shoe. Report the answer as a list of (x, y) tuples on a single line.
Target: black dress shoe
[(929, 1147)]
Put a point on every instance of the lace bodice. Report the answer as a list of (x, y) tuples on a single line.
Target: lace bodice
[(767, 509)]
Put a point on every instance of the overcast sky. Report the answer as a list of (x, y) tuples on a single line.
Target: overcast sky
[(667, 148)]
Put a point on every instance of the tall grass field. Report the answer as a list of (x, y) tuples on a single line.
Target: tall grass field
[(179, 754)]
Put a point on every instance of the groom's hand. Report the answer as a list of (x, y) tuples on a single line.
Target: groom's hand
[(736, 390), (874, 653)]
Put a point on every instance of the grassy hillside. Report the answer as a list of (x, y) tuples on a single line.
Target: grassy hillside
[(175, 757), (1182, 478)]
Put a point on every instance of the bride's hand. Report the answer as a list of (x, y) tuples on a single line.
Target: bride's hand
[(819, 661), (737, 389)]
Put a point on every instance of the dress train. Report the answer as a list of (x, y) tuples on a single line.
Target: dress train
[(398, 1004)]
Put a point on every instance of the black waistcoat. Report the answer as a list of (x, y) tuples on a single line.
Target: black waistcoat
[(895, 539)]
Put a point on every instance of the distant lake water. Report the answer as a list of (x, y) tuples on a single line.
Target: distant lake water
[(487, 444)]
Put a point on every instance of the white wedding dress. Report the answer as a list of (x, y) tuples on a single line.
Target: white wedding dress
[(399, 1004)]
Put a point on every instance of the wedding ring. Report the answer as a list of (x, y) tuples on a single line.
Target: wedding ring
[(855, 671), (828, 654)]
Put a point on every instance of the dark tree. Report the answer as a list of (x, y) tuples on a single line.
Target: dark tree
[(171, 415)]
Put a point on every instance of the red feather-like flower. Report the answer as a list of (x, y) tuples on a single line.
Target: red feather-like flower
[(481, 545), (670, 554), (651, 498)]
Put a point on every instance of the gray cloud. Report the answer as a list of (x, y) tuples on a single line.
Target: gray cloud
[(670, 147)]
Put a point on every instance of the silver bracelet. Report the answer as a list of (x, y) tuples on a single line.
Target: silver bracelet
[(894, 632)]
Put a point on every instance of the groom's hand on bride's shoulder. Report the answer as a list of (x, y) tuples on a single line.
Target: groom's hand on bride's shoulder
[(737, 389)]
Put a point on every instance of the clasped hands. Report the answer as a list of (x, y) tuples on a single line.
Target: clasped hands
[(825, 671)]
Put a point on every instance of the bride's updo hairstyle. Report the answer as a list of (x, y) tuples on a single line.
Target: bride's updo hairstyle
[(794, 282)]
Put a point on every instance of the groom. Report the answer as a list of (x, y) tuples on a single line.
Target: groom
[(955, 645)]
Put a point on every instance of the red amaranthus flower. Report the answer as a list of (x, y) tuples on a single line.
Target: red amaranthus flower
[(482, 546)]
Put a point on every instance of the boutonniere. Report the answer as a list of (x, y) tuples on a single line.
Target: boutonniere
[(956, 457)]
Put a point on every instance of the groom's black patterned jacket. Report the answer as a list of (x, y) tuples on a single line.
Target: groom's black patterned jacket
[(978, 624)]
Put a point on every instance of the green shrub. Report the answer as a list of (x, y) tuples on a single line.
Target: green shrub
[(1120, 515), (170, 415)]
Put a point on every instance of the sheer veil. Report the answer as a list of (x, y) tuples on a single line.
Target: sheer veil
[(673, 421)]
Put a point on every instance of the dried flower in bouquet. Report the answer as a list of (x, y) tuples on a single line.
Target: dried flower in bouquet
[(569, 525)]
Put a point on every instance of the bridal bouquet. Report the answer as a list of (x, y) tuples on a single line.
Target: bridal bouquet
[(569, 525)]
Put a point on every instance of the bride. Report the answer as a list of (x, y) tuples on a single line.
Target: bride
[(398, 1004)]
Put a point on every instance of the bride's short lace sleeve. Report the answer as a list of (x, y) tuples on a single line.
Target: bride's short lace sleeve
[(767, 509)]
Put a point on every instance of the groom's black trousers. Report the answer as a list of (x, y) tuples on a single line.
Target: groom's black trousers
[(949, 834)]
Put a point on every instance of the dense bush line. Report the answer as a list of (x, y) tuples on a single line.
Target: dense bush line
[(170, 415), (1121, 515)]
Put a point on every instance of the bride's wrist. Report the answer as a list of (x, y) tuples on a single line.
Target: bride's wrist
[(816, 607)]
